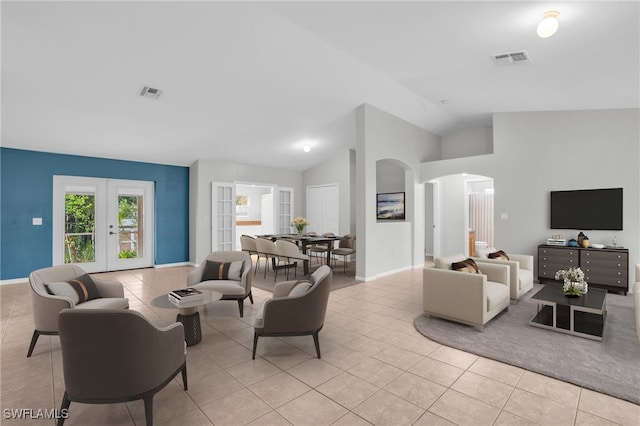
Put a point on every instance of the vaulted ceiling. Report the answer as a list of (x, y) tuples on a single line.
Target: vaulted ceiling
[(251, 82)]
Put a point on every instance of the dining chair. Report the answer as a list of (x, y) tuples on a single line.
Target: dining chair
[(316, 249), (346, 247)]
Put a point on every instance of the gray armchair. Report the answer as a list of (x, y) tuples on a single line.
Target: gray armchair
[(231, 288), (111, 356), (46, 305), (298, 308)]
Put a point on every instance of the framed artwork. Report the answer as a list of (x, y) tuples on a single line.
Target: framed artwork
[(390, 206)]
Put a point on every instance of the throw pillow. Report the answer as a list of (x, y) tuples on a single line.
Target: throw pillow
[(222, 270), (501, 255), (80, 290), (467, 265), (300, 288)]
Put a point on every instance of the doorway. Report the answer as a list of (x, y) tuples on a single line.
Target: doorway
[(103, 224)]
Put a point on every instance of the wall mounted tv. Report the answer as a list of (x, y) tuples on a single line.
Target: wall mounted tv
[(390, 206), (587, 209)]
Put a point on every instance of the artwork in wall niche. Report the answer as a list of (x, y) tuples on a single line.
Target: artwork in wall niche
[(390, 206)]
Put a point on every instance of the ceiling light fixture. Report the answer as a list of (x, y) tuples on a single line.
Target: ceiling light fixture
[(549, 24), (306, 148)]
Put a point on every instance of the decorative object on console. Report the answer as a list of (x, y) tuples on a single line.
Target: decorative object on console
[(583, 240), (573, 243), (574, 283), (299, 223)]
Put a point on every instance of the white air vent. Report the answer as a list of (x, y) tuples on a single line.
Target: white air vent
[(521, 57), (150, 92)]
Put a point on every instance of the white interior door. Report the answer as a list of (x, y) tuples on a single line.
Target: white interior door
[(103, 224), (323, 210), (285, 210), (223, 208)]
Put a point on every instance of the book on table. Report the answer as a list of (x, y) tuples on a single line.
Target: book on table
[(185, 295)]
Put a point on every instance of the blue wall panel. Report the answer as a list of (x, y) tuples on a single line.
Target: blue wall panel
[(26, 185)]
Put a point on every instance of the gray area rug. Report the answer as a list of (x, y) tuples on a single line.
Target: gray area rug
[(611, 366)]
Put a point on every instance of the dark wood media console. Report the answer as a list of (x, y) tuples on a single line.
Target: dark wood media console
[(606, 268)]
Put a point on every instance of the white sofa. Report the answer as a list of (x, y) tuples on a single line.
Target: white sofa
[(463, 297), (520, 270)]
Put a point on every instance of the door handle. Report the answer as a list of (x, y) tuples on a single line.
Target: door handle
[(111, 233)]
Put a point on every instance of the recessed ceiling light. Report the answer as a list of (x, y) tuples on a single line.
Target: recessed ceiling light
[(549, 24), (306, 148), (444, 101)]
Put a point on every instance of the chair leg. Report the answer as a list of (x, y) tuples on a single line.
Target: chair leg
[(251, 296), (148, 408), (64, 409), (241, 307), (184, 377), (34, 339), (316, 340), (255, 345)]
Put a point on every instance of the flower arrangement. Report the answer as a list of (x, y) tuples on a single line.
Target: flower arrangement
[(574, 284), (299, 223)]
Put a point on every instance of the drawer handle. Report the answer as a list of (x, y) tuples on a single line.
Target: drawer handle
[(618, 264), (618, 273), (588, 261)]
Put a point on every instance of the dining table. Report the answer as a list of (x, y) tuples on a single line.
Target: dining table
[(306, 241)]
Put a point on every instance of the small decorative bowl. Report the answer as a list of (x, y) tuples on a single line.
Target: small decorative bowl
[(597, 245)]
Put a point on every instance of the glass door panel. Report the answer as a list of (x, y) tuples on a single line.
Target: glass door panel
[(79, 228)]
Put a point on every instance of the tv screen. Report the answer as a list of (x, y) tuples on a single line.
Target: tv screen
[(587, 209), (390, 206)]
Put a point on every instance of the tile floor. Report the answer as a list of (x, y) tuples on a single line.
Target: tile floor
[(375, 369)]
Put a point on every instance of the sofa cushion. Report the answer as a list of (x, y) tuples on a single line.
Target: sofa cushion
[(105, 303), (222, 270), (80, 289), (500, 255), (496, 294), (226, 287), (467, 265), (446, 261)]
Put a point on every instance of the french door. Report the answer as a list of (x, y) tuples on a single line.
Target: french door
[(223, 209), (103, 224)]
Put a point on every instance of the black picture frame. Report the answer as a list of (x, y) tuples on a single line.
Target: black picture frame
[(390, 206)]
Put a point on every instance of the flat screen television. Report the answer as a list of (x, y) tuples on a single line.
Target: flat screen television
[(587, 209), (390, 206)]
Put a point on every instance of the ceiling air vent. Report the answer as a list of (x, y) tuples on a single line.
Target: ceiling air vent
[(150, 92), (521, 57)]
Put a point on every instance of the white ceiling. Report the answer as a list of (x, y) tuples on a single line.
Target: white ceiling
[(248, 82)]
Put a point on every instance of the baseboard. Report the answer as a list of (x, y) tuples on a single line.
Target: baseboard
[(384, 274), (14, 281), (171, 265)]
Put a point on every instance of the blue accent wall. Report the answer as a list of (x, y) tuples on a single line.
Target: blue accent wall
[(26, 185)]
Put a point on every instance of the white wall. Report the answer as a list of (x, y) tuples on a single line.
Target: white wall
[(389, 246), (467, 141), (337, 170), (203, 172), (537, 152)]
